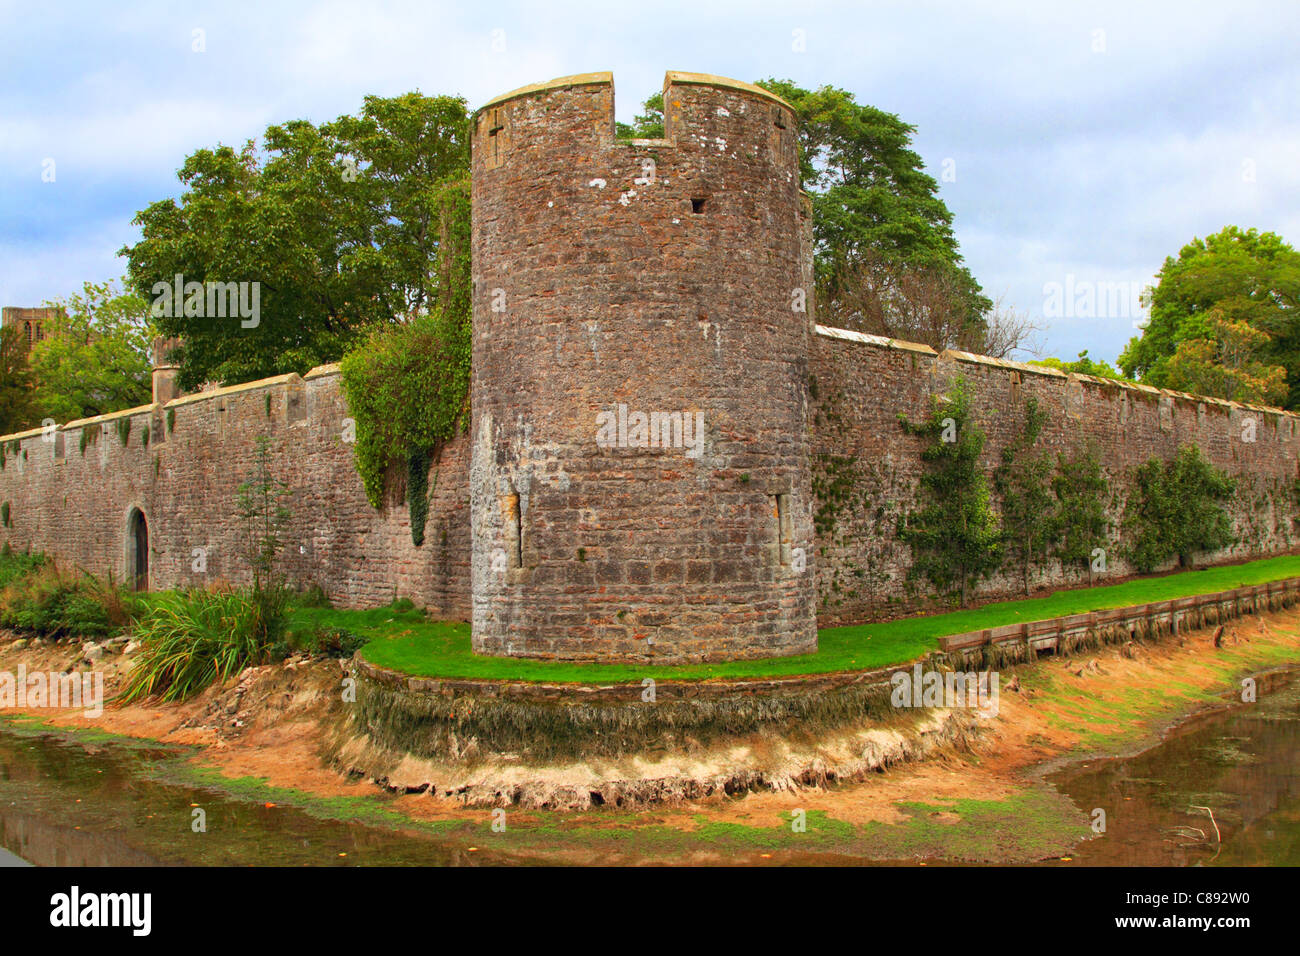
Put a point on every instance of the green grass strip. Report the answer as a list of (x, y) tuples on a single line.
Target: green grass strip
[(405, 641)]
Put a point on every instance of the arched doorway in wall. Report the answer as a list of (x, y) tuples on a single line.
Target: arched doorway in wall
[(137, 550)]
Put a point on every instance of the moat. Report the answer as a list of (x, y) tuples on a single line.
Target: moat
[(111, 801)]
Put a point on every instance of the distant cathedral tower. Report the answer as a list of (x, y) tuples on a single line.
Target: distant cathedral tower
[(31, 322), (640, 484)]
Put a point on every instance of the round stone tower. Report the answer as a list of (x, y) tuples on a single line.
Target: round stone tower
[(640, 485)]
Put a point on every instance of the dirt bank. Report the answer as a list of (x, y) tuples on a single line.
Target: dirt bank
[(978, 796)]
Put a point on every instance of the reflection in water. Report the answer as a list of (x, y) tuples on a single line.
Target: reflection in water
[(1236, 770), (64, 804)]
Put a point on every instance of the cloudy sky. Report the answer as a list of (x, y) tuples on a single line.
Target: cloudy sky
[(1078, 144)]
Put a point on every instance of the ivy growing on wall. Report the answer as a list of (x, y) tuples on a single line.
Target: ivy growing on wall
[(954, 536), (407, 384), (856, 517), (1252, 505), (847, 486), (1023, 482), (1079, 525), (1176, 510), (417, 493)]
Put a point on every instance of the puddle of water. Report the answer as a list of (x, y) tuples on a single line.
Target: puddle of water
[(69, 804), (1242, 763)]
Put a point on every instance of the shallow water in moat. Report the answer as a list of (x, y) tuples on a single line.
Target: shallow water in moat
[(64, 802), (1243, 764)]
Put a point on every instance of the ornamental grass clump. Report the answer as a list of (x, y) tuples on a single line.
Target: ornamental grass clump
[(191, 639)]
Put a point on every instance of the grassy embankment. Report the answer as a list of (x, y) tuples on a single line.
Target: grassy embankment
[(407, 642)]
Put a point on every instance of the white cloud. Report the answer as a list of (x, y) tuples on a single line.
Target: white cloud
[(1069, 161)]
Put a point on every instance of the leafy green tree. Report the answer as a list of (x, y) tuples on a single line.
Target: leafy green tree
[(1079, 523), (407, 385), (1023, 482), (646, 125), (17, 387), (1083, 365), (871, 195), (883, 239), (339, 225), (955, 538), (96, 356), (1242, 276), (1176, 509), (1227, 363)]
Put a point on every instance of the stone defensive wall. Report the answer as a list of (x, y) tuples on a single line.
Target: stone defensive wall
[(74, 497), (866, 470), (667, 459), (78, 491)]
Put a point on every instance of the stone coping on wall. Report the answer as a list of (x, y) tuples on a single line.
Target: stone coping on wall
[(292, 378), (865, 338), (956, 355), (880, 341), (723, 82), (559, 83), (108, 417), (825, 331), (323, 371), (19, 436)]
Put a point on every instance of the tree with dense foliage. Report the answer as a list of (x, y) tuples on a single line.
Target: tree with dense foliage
[(17, 405), (1176, 509), (1083, 365), (874, 204), (954, 536), (1023, 482), (1228, 362), (96, 355), (1231, 279), (917, 303), (887, 260), (339, 225)]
